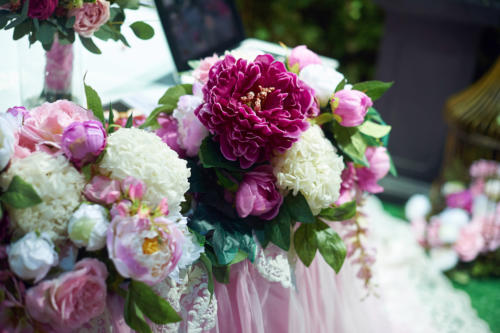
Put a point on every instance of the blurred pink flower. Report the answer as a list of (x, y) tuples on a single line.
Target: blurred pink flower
[(90, 17), (418, 227), (41, 9), (433, 238), (102, 190), (350, 107), (302, 56), (462, 199), (201, 72), (483, 169), (168, 132), (470, 241), (72, 299), (191, 131), (379, 167)]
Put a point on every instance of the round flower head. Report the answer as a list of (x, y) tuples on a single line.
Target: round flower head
[(82, 142), (90, 17), (8, 126), (143, 155), (59, 185), (41, 9), (88, 226), (312, 167), (255, 109), (301, 57), (191, 131)]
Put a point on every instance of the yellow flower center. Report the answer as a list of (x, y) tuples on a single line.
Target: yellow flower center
[(150, 245)]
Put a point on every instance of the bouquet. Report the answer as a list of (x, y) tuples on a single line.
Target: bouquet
[(277, 150), (462, 232), (91, 228), (49, 21)]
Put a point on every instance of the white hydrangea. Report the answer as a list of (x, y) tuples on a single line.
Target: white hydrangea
[(141, 154), (59, 185), (312, 167)]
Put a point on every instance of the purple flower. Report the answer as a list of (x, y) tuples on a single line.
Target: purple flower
[(41, 9), (462, 199), (102, 190), (83, 142), (302, 57), (255, 109), (258, 194), (350, 106), (168, 132)]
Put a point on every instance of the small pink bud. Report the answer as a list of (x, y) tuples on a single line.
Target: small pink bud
[(133, 187), (302, 57), (102, 190), (349, 107), (163, 206), (83, 142)]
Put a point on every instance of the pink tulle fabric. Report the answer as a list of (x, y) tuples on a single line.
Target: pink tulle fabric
[(322, 302)]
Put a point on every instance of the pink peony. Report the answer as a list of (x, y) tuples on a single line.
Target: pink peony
[(462, 199), (491, 230), (169, 133), (191, 130), (143, 252), (302, 56), (201, 73), (258, 194), (350, 107), (255, 109), (379, 167), (102, 190), (483, 169), (133, 187), (83, 142), (470, 242), (121, 208), (19, 113), (41, 9), (71, 300), (90, 17), (44, 127), (348, 186)]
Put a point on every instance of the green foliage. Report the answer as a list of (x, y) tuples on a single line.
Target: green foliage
[(374, 130), (306, 243), (20, 194), (94, 103), (348, 31), (142, 30), (168, 102), (340, 213), (211, 157), (350, 141), (298, 208), (374, 89)]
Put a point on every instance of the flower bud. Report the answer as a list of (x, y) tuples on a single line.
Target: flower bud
[(349, 107), (88, 227), (102, 190), (32, 256), (83, 142), (301, 56)]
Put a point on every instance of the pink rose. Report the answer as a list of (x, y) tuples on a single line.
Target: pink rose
[(102, 190), (90, 17), (72, 299), (41, 9), (201, 73), (44, 127), (350, 107), (379, 167), (258, 194), (302, 56), (83, 142), (470, 242)]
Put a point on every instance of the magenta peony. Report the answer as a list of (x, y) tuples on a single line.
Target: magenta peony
[(258, 194), (83, 142), (90, 17), (302, 56), (41, 9), (72, 299), (462, 199), (350, 107), (102, 190), (255, 109)]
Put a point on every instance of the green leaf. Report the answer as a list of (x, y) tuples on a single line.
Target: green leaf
[(373, 129), (374, 89), (351, 142), (211, 157), (130, 121), (22, 30), (133, 315), (393, 169), (158, 310), (221, 273), (94, 102), (24, 10), (331, 246), (208, 266), (341, 85), (46, 33), (14, 23), (70, 22), (111, 119), (323, 118), (142, 30), (298, 208), (129, 4), (89, 44), (225, 245), (278, 230), (225, 181), (341, 213), (20, 194), (305, 243), (240, 256)]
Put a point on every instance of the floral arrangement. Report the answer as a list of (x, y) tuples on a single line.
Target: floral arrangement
[(91, 220), (462, 233), (277, 149), (49, 21)]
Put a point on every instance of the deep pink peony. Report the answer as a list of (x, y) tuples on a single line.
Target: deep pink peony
[(255, 109), (102, 190), (258, 194), (44, 127), (302, 56), (71, 300), (83, 142), (41, 9), (350, 107), (90, 17), (462, 199)]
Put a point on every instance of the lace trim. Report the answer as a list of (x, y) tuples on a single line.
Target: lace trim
[(273, 264)]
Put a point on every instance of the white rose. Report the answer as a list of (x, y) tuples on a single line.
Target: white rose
[(417, 207), (8, 125), (452, 220), (443, 258), (322, 79), (32, 256), (88, 227)]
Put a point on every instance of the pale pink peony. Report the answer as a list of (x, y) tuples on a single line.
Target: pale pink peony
[(133, 187), (483, 169), (433, 230), (350, 107), (191, 131), (302, 56), (201, 72), (90, 17), (470, 242), (491, 230), (44, 127), (102, 190), (72, 299), (418, 227), (379, 167), (169, 133)]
